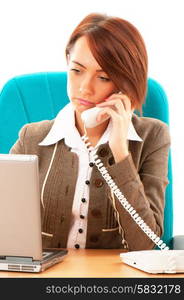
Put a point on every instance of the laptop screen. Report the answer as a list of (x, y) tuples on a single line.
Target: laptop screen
[(20, 216)]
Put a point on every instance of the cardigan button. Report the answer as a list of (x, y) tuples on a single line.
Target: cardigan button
[(83, 200), (62, 219), (103, 152), (77, 246), (111, 161), (98, 182), (96, 213), (87, 182)]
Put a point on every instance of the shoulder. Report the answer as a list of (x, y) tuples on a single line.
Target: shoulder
[(150, 128), (37, 130)]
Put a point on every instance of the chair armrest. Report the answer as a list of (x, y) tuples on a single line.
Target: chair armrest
[(178, 242)]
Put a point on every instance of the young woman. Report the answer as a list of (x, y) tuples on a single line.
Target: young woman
[(107, 68)]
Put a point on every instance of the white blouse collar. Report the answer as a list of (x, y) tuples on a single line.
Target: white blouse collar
[(64, 127)]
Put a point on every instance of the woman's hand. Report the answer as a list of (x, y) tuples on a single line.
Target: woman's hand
[(118, 107)]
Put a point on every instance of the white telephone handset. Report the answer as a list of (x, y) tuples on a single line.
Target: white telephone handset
[(158, 265), (89, 117)]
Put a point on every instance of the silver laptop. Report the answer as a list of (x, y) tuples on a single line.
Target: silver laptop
[(20, 217)]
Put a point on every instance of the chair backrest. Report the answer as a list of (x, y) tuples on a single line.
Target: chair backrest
[(39, 96)]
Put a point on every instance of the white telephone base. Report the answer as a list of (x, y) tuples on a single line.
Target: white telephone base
[(155, 261)]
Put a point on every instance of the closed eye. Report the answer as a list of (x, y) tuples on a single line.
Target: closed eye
[(75, 70), (104, 78)]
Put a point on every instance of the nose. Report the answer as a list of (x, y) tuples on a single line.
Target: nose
[(86, 87)]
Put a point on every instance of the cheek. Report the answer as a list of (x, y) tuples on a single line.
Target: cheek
[(70, 85), (109, 90)]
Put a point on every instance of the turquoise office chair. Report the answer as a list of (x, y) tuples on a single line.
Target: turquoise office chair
[(39, 96)]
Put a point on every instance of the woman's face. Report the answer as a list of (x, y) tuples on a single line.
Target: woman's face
[(87, 83)]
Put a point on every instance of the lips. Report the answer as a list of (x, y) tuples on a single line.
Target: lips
[(84, 102)]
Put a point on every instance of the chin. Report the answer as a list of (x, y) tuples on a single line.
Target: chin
[(80, 108)]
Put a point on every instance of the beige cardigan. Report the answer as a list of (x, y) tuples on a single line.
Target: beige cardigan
[(142, 177)]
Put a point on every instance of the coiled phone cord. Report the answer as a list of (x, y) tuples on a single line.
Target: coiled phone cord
[(124, 202)]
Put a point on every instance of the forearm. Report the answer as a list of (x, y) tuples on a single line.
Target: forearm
[(132, 233), (148, 206)]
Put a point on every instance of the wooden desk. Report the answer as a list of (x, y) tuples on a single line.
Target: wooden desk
[(90, 263)]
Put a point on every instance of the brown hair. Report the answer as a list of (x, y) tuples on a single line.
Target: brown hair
[(119, 49)]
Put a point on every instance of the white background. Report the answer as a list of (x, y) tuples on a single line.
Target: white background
[(33, 34)]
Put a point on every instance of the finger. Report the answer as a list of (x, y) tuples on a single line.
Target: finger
[(119, 108), (105, 113), (110, 103), (127, 103), (124, 99), (118, 105), (118, 96)]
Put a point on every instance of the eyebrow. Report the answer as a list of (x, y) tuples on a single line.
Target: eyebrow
[(76, 62)]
